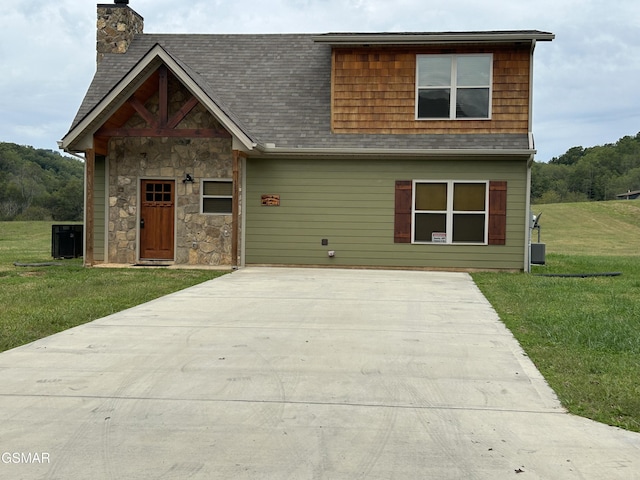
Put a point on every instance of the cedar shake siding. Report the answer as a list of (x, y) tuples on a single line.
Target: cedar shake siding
[(374, 91)]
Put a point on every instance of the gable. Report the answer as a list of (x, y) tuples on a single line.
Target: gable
[(112, 99), (161, 107)]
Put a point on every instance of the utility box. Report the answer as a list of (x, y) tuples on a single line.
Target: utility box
[(66, 241), (538, 253)]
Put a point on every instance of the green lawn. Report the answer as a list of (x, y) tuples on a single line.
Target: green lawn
[(582, 333), (591, 228), (40, 301)]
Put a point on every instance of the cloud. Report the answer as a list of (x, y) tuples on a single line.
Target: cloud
[(585, 90), (45, 57)]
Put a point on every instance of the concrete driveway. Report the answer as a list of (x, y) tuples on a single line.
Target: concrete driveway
[(277, 373)]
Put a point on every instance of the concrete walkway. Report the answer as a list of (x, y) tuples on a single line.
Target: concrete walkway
[(271, 373)]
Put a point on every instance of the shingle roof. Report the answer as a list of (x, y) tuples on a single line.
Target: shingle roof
[(275, 87)]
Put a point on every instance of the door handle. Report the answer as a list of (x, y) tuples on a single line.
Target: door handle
[(142, 223)]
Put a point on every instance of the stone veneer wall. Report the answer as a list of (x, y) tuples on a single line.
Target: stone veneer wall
[(116, 27), (200, 239)]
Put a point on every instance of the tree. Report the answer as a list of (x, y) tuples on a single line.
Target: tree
[(39, 184), (571, 157), (67, 203), (592, 174)]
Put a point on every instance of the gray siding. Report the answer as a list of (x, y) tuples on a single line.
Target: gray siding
[(351, 203)]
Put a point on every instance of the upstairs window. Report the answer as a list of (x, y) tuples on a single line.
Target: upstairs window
[(454, 86)]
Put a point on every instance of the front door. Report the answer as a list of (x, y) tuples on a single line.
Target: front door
[(157, 219)]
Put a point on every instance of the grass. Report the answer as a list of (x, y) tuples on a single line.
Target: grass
[(40, 301), (583, 334), (591, 228)]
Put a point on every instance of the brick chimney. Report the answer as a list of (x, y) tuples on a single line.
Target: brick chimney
[(116, 27)]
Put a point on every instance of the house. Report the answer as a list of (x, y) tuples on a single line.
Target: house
[(346, 149), (629, 195)]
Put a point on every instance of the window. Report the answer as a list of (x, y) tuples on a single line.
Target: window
[(158, 192), (404, 214), (454, 86), (450, 212), (217, 196)]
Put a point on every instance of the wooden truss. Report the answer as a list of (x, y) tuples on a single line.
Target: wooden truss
[(158, 124)]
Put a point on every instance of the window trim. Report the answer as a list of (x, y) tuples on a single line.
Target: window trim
[(203, 196), (450, 213), (453, 87)]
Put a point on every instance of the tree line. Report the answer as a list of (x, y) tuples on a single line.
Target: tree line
[(588, 174), (38, 184)]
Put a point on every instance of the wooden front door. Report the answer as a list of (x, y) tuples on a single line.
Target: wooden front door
[(157, 220)]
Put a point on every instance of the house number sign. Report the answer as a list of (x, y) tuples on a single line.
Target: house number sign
[(270, 200)]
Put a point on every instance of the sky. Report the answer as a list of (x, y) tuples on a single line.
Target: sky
[(586, 82)]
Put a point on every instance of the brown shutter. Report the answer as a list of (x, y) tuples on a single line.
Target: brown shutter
[(402, 230), (497, 213)]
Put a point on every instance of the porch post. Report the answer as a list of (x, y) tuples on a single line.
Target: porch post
[(89, 172)]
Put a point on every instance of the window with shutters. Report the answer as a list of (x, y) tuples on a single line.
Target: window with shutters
[(450, 212), (217, 196)]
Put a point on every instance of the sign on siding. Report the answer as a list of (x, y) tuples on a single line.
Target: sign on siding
[(270, 200), (439, 237)]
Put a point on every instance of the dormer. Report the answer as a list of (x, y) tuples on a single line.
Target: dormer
[(432, 83)]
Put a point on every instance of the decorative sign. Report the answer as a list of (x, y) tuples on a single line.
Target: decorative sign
[(270, 200), (439, 237)]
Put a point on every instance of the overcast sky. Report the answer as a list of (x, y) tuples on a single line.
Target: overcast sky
[(586, 82)]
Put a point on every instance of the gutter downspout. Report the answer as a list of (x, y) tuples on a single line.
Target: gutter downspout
[(527, 226)]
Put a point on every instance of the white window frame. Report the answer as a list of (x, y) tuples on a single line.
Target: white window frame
[(450, 212), (203, 196), (454, 87)]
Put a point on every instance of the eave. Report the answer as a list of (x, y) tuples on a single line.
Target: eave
[(366, 39), (262, 151)]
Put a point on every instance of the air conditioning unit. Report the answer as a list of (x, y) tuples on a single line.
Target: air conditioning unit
[(66, 241)]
